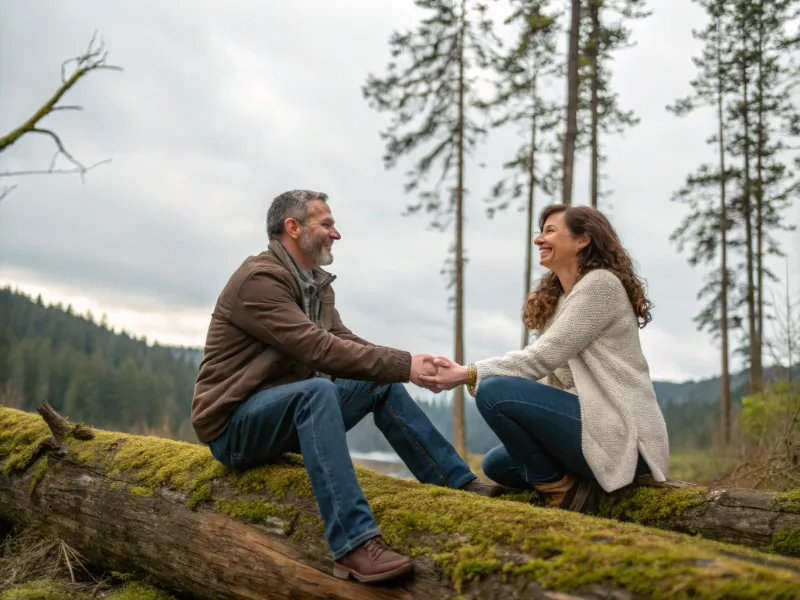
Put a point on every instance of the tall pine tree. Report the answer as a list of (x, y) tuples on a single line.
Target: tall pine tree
[(603, 33), (430, 89), (573, 100), (764, 117), (707, 224), (523, 72)]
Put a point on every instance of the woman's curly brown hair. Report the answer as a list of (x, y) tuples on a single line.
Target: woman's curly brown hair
[(604, 251)]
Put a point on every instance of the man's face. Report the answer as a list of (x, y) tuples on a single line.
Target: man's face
[(316, 238)]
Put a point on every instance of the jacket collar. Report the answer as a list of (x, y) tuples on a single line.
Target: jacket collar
[(320, 276)]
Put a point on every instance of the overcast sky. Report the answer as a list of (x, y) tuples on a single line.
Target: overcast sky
[(223, 106)]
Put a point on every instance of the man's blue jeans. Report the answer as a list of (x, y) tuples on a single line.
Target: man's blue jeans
[(311, 417), (540, 430)]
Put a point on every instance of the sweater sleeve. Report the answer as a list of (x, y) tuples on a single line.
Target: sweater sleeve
[(588, 310)]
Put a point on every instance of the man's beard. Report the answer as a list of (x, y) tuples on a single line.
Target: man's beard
[(315, 250)]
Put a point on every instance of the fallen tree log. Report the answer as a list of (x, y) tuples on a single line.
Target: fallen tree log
[(131, 503)]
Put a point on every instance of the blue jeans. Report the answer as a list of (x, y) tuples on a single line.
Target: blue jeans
[(540, 430), (311, 417)]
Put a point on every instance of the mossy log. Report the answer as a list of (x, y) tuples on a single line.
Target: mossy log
[(166, 508)]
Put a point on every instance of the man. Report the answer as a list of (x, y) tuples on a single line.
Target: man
[(281, 373)]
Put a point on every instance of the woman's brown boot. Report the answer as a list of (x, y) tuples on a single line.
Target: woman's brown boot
[(570, 493), (553, 493)]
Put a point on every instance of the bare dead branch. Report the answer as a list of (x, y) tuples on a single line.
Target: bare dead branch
[(61, 427), (6, 191), (52, 171), (72, 70), (59, 144)]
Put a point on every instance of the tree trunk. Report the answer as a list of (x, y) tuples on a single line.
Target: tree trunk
[(167, 509), (459, 420), (530, 214), (568, 159), (755, 382), (758, 354), (725, 380), (594, 45)]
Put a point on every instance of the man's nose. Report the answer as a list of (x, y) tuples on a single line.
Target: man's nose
[(335, 234)]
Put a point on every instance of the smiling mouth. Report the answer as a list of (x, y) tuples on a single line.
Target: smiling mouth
[(545, 252)]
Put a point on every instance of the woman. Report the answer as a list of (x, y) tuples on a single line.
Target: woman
[(596, 419)]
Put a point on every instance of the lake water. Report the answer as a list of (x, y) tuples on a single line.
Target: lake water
[(377, 456)]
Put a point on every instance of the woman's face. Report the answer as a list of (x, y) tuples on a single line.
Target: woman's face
[(557, 246)]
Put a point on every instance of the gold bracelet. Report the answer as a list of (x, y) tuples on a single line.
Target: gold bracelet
[(472, 379)]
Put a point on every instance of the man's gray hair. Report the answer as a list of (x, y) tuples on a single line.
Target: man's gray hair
[(292, 204)]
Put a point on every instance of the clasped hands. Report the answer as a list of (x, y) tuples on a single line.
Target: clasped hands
[(436, 373)]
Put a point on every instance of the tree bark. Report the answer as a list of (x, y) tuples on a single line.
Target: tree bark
[(165, 508), (755, 383), (725, 379), (459, 419), (529, 212), (594, 47), (760, 142), (568, 160)]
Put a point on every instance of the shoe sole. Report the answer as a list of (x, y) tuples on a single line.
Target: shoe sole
[(342, 572)]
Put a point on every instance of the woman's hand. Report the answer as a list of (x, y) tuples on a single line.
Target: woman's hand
[(448, 375)]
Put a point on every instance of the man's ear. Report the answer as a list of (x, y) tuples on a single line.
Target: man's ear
[(292, 227)]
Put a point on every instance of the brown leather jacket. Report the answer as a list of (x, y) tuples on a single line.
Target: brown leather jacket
[(259, 337)]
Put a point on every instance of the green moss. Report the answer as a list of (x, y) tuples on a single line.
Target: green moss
[(470, 570), (250, 510), (20, 436), (201, 494), (789, 500), (138, 591), (38, 590), (651, 506), (297, 536), (786, 542), (39, 471), (142, 492), (465, 535), (278, 479)]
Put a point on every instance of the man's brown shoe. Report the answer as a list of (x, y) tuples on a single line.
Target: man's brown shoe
[(371, 562), (491, 490)]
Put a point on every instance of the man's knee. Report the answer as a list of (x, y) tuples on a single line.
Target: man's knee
[(320, 392)]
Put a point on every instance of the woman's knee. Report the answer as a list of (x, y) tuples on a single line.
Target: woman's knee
[(489, 391), (494, 462)]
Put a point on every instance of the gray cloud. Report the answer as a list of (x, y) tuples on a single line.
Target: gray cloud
[(218, 111)]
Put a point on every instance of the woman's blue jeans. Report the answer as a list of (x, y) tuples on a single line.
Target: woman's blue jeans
[(540, 430)]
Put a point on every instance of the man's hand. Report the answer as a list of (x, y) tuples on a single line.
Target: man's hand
[(448, 375), (422, 365)]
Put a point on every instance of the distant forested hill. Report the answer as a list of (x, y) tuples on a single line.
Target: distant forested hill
[(90, 373), (113, 380)]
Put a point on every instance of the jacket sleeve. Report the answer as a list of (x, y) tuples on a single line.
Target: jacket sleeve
[(266, 309), (589, 309)]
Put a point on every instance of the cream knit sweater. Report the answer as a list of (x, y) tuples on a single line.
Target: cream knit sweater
[(592, 345)]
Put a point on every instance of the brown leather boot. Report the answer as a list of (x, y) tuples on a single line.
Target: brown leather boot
[(491, 490), (570, 493), (371, 562)]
